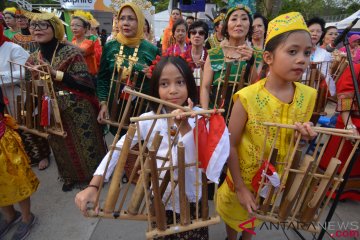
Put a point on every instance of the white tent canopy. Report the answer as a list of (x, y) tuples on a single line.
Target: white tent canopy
[(345, 22)]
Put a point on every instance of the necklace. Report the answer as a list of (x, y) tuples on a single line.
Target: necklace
[(201, 57)]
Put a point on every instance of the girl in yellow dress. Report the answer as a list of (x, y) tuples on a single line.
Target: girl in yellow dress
[(276, 98), (17, 180)]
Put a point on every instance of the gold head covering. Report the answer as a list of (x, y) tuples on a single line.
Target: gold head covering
[(285, 23), (10, 10), (56, 23), (134, 41), (93, 22), (219, 18), (86, 16)]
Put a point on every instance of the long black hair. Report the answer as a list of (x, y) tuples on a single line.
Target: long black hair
[(185, 71)]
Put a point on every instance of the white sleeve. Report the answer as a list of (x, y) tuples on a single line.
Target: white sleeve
[(17, 55), (114, 158)]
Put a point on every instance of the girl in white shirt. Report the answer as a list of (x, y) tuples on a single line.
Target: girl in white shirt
[(172, 80)]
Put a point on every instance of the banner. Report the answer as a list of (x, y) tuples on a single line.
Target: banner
[(97, 5)]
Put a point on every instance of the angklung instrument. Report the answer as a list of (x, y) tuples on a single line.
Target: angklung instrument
[(304, 191), (35, 106), (145, 202)]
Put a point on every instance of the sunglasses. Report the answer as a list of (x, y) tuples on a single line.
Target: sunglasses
[(194, 32)]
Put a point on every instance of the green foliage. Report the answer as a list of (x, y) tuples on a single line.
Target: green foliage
[(161, 5)]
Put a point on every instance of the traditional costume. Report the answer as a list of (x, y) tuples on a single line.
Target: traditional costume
[(346, 102), (87, 45), (9, 33), (261, 106), (24, 38), (213, 41), (135, 47), (78, 154), (96, 39), (17, 180)]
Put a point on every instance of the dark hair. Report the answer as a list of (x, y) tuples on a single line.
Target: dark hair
[(190, 17), (185, 71), (321, 41), (176, 9), (148, 25), (198, 24), (273, 43), (179, 22), (316, 20), (265, 22), (85, 24), (224, 30)]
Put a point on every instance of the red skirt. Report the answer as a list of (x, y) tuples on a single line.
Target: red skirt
[(352, 188)]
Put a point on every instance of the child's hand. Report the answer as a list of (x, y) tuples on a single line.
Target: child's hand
[(88, 195), (180, 116), (246, 199), (306, 131)]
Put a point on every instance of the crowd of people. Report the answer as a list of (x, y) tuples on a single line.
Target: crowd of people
[(268, 57)]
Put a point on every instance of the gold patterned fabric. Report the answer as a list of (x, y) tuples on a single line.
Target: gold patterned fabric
[(17, 180), (261, 106)]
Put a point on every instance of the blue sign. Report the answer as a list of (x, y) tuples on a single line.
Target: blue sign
[(192, 5)]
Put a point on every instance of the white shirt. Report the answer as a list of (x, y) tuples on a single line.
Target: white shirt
[(12, 52), (190, 157), (321, 55)]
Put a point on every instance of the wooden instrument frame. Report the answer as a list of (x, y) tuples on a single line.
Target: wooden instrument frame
[(148, 203), (38, 84), (304, 192)]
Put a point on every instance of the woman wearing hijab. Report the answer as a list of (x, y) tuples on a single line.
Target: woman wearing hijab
[(129, 42), (78, 154)]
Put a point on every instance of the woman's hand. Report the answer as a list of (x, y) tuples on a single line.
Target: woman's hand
[(306, 131), (245, 51), (146, 72), (43, 66), (103, 113), (246, 199), (88, 195)]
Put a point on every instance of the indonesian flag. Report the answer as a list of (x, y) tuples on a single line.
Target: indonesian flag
[(213, 145), (45, 111), (270, 176)]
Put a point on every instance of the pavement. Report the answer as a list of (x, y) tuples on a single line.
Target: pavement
[(59, 219)]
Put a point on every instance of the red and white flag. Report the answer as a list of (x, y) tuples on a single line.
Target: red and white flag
[(213, 145)]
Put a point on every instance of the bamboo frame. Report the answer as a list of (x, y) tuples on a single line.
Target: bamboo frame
[(304, 192), (27, 105), (145, 202)]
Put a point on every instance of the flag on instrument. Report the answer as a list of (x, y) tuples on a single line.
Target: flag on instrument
[(45, 111), (213, 145)]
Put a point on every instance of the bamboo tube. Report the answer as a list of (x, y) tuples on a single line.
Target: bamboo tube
[(291, 177), (114, 103), (222, 97), (29, 105), (34, 131), (184, 203), (290, 198), (320, 100), (265, 207), (311, 206), (204, 198), (114, 189), (171, 115), (19, 116), (158, 204), (139, 191), (164, 183), (177, 229), (313, 73), (40, 93)]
